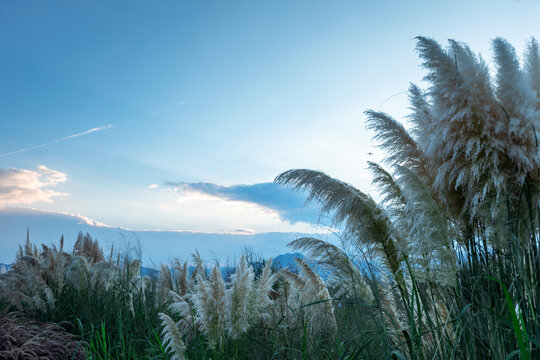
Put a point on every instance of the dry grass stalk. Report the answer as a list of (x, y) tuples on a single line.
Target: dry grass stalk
[(172, 338), (221, 310), (209, 301), (239, 304)]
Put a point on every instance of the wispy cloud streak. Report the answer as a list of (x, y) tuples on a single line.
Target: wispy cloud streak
[(22, 150), (90, 131)]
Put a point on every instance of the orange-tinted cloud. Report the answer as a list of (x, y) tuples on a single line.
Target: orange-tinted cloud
[(21, 186)]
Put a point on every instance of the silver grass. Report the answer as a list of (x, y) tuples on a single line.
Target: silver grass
[(78, 273), (295, 280), (466, 112), (317, 298), (308, 300), (218, 309), (43, 299), (391, 193), (395, 320), (261, 306), (165, 283), (187, 323), (532, 67), (360, 214), (348, 205), (392, 196), (35, 279), (38, 303), (395, 201), (346, 277), (25, 286), (49, 262), (199, 270), (289, 301), (146, 287), (488, 128), (29, 249), (421, 116), (104, 274), (399, 145), (518, 99), (137, 285), (198, 260), (182, 281), (27, 264), (179, 306), (59, 261), (238, 296), (478, 158), (49, 296), (172, 338), (428, 236), (130, 303), (87, 247), (209, 302), (13, 285), (134, 269)]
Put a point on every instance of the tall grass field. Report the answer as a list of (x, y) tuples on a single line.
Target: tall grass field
[(443, 263)]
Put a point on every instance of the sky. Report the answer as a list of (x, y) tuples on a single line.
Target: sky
[(174, 117)]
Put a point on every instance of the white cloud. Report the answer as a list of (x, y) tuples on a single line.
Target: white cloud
[(21, 186), (88, 221), (202, 212), (153, 186)]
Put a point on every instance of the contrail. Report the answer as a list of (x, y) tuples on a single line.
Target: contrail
[(92, 130), (84, 133), (23, 150)]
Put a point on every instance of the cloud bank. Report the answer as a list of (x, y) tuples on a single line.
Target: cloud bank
[(21, 186), (289, 204), (157, 246)]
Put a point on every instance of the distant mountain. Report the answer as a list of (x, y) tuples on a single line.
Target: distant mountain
[(146, 271), (286, 261)]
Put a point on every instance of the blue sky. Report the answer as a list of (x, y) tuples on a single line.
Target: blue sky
[(111, 102)]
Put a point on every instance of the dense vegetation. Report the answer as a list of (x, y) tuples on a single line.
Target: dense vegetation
[(445, 266)]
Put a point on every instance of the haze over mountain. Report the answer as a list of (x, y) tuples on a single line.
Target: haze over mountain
[(156, 246)]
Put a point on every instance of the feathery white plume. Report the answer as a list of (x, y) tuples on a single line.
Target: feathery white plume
[(172, 338)]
